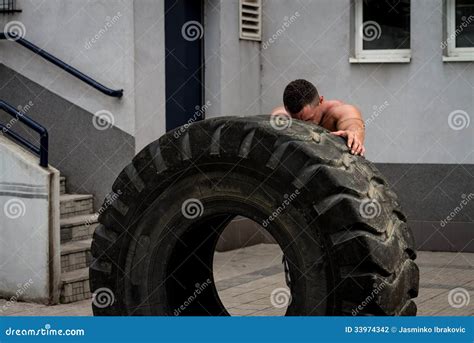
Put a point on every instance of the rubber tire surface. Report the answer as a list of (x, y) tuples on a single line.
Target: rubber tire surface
[(346, 241)]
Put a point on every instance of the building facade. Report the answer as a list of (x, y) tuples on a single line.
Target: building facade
[(409, 71)]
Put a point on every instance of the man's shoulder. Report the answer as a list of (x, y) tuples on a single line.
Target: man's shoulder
[(332, 107), (337, 107), (333, 103)]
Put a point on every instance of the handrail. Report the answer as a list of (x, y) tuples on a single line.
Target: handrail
[(56, 61), (42, 150)]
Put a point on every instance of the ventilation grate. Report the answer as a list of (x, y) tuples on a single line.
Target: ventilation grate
[(250, 18)]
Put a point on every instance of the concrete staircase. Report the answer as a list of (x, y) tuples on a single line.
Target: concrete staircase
[(78, 222)]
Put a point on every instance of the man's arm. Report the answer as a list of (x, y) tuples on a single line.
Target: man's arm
[(350, 125)]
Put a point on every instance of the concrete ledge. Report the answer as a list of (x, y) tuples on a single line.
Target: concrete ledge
[(29, 227)]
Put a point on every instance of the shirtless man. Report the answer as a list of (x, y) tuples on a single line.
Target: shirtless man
[(302, 101)]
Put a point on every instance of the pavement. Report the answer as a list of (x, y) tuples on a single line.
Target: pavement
[(247, 277)]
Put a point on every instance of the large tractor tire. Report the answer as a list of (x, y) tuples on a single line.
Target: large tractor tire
[(346, 243)]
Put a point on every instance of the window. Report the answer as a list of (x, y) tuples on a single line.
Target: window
[(8, 6), (381, 31), (250, 16), (459, 39)]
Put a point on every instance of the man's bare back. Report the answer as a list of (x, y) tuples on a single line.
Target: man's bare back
[(341, 119)]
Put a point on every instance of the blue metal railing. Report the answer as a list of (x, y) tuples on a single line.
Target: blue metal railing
[(42, 149), (66, 67)]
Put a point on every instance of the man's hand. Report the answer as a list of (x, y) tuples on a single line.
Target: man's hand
[(353, 141)]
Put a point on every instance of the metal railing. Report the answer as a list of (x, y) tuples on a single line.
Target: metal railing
[(42, 149), (64, 66)]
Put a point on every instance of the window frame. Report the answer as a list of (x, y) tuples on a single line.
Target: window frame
[(451, 52), (374, 56)]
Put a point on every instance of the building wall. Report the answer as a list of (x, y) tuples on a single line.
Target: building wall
[(406, 105), (90, 158), (66, 29), (150, 95), (232, 66), (413, 127), (119, 43)]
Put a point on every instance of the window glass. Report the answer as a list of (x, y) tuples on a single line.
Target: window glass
[(464, 23), (386, 24)]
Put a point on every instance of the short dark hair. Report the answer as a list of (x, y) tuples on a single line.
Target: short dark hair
[(298, 94)]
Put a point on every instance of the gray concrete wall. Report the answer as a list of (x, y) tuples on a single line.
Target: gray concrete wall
[(149, 93), (406, 106), (414, 127), (67, 29), (232, 66), (89, 157), (119, 43), (438, 200), (29, 207)]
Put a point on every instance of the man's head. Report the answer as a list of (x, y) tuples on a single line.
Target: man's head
[(300, 99)]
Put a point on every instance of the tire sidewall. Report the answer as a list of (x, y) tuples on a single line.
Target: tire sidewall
[(236, 193)]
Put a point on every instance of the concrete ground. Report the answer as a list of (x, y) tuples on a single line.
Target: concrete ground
[(246, 279)]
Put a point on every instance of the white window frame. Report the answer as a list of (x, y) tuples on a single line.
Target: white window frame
[(453, 54), (374, 56)]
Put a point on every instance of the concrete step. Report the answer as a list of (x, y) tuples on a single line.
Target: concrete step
[(78, 228), (75, 204), (75, 286), (75, 255), (62, 184)]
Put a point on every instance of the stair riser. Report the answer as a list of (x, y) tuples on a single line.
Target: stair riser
[(75, 257), (76, 208), (75, 291), (62, 186), (77, 233), (76, 260)]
